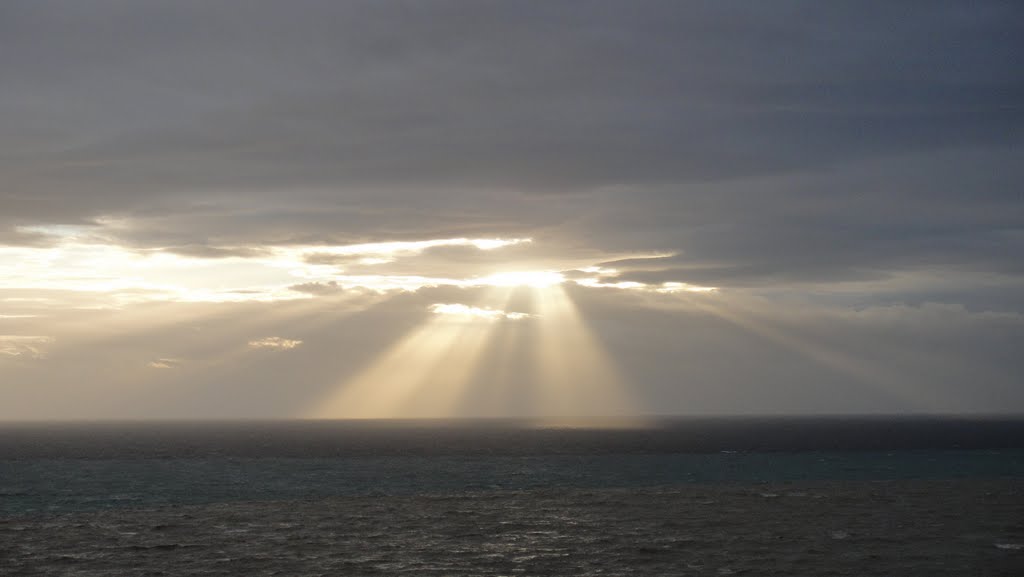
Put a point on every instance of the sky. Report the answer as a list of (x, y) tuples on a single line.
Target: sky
[(318, 209)]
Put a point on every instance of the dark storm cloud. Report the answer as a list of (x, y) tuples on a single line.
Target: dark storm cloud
[(765, 143)]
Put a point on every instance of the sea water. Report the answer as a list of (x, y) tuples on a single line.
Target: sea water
[(693, 498)]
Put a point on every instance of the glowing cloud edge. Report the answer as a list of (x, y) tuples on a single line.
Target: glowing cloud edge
[(475, 313)]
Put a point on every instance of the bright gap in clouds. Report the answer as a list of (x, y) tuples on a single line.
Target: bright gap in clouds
[(535, 279), (82, 260)]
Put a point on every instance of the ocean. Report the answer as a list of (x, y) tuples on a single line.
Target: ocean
[(771, 496)]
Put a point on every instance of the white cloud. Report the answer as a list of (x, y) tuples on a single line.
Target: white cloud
[(164, 364), (466, 311), (385, 252), (275, 343), (24, 345)]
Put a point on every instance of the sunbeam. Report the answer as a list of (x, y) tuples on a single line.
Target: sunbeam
[(577, 376), (425, 373), (436, 367), (883, 378)]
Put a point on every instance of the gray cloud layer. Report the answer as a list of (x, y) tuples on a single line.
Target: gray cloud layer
[(845, 155), (391, 116)]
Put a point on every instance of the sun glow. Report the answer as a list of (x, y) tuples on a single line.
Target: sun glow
[(534, 279), (89, 260)]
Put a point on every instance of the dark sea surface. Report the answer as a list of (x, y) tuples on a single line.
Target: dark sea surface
[(852, 496)]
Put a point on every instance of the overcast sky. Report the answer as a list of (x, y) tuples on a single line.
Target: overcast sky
[(431, 208)]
